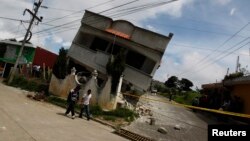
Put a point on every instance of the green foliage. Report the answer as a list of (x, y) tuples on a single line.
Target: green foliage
[(57, 101), (172, 82), (120, 112), (187, 97), (115, 68), (161, 88), (30, 85), (60, 67), (112, 118), (96, 110), (185, 84), (233, 75), (175, 84)]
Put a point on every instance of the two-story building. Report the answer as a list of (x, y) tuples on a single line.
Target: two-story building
[(100, 36), (9, 50)]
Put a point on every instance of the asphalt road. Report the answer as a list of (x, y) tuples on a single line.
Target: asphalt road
[(193, 126), (23, 119)]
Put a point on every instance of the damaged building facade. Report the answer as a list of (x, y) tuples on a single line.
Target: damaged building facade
[(99, 37)]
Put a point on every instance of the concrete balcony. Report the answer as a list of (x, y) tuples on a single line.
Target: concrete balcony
[(137, 78), (89, 58), (98, 60)]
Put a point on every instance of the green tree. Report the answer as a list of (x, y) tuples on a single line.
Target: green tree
[(115, 68), (60, 67), (185, 84), (172, 82)]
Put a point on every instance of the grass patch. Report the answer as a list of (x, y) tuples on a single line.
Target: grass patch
[(186, 98), (109, 118), (95, 110), (30, 85)]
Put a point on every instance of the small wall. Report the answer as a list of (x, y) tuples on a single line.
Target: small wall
[(102, 97), (61, 87)]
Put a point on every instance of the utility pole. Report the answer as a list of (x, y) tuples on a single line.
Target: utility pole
[(37, 5), (237, 64)]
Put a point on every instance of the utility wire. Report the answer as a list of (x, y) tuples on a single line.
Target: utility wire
[(203, 59), (125, 13), (219, 58), (77, 12), (58, 26), (100, 4), (204, 49)]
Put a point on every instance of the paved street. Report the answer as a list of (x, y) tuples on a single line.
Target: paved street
[(22, 119), (193, 126)]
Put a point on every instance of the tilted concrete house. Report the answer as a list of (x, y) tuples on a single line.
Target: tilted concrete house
[(100, 36)]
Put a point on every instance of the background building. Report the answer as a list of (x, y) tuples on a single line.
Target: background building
[(237, 90), (9, 50)]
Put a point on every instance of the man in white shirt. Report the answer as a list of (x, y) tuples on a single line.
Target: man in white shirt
[(85, 99)]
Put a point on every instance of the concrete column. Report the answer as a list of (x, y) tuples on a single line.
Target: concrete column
[(118, 91), (119, 86)]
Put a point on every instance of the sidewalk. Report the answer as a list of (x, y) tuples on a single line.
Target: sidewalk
[(22, 119)]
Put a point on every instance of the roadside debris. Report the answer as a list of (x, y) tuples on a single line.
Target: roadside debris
[(162, 130)]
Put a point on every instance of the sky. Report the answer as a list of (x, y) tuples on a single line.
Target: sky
[(209, 35)]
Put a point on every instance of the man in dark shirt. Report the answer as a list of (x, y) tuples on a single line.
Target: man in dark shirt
[(72, 99)]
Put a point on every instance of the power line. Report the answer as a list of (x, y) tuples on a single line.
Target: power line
[(97, 5), (204, 49), (206, 65), (58, 9), (130, 12), (12, 19), (34, 17), (126, 13), (222, 57), (203, 59), (58, 26)]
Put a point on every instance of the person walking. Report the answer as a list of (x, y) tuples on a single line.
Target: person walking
[(73, 97), (85, 99)]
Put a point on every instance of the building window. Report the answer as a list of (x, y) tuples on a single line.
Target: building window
[(99, 44), (140, 62), (84, 39), (2, 50), (115, 49), (135, 59), (148, 66)]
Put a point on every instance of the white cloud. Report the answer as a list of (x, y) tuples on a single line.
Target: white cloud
[(6, 35), (57, 39), (222, 2), (232, 11), (151, 28), (66, 44), (187, 68)]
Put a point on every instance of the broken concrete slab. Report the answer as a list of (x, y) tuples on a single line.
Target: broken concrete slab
[(162, 130)]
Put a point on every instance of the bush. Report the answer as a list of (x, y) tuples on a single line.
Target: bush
[(57, 101), (112, 118), (127, 114), (30, 85), (233, 75), (96, 110), (186, 98)]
